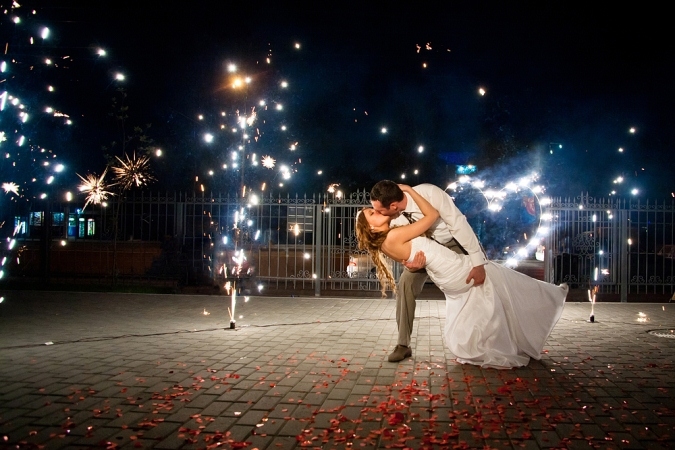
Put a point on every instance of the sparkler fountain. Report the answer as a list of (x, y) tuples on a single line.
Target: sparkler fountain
[(495, 200), (249, 134), (592, 293), (29, 116)]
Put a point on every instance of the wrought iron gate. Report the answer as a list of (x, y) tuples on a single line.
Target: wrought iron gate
[(308, 242), (624, 247)]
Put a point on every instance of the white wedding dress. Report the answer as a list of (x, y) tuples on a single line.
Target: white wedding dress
[(502, 323)]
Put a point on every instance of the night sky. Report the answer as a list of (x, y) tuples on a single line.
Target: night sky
[(553, 74)]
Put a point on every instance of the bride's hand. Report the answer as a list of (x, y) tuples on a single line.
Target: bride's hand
[(405, 187)]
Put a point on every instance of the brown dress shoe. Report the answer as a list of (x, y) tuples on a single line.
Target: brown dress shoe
[(400, 353)]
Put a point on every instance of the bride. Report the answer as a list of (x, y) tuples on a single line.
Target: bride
[(502, 323)]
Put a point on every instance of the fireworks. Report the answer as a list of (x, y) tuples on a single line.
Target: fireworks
[(95, 188), (132, 172), (11, 187), (30, 110), (268, 162), (592, 295), (521, 194)]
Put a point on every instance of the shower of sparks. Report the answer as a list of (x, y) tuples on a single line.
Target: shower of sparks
[(592, 295), (95, 188), (268, 162), (21, 100), (11, 187), (496, 199), (134, 171)]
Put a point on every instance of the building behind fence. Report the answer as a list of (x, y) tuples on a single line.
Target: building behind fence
[(308, 243)]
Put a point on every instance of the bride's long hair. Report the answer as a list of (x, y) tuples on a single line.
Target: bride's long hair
[(371, 241)]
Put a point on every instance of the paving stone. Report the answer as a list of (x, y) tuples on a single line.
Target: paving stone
[(138, 383)]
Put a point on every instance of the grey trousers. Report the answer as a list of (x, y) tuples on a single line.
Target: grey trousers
[(410, 286)]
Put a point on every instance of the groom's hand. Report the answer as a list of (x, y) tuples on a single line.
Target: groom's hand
[(418, 262), (477, 274)]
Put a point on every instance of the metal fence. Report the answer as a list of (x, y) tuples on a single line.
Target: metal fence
[(622, 246), (308, 242)]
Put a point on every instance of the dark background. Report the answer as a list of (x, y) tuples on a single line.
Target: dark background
[(554, 74)]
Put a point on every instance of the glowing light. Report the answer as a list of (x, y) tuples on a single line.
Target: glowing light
[(119, 76), (132, 171), (231, 68), (420, 149), (481, 91), (297, 46), (620, 149), (383, 130), (463, 170), (101, 52), (634, 191), (208, 138), (45, 33), (95, 188), (59, 168), (284, 84), (511, 262), (632, 130), (11, 187)]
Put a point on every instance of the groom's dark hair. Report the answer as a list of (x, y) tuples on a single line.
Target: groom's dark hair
[(386, 192)]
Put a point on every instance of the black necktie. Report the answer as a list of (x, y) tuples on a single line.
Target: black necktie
[(408, 216)]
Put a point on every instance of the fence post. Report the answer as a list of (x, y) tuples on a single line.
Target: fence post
[(318, 245), (623, 254)]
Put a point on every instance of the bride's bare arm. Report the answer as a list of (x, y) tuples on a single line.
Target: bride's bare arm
[(426, 208), (408, 232)]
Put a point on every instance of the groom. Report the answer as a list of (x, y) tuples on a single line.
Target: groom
[(451, 229)]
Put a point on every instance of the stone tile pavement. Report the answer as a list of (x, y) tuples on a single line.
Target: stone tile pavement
[(91, 370)]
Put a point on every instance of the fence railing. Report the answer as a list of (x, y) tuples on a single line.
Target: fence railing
[(308, 242), (623, 246)]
